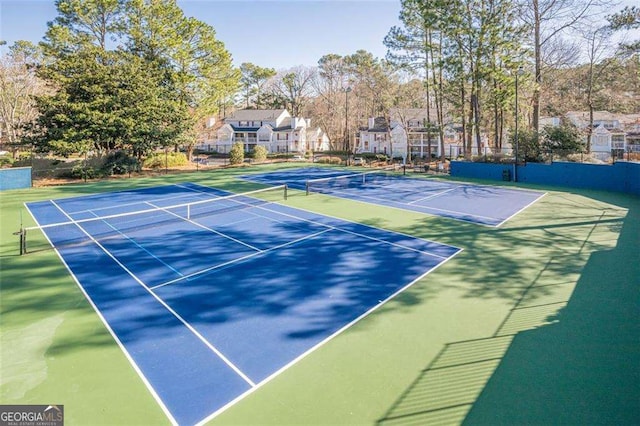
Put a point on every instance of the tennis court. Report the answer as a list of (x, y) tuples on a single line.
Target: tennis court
[(480, 204), (210, 294)]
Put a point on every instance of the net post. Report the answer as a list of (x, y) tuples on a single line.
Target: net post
[(23, 242), (307, 187), (285, 191), (188, 211)]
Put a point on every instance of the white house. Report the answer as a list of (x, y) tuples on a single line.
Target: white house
[(407, 132), (605, 140), (610, 131), (274, 129)]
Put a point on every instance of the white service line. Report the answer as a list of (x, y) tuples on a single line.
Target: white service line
[(240, 259), (430, 196), (205, 227), (357, 234)]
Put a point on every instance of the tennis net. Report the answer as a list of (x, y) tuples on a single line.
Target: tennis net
[(379, 177), (87, 230)]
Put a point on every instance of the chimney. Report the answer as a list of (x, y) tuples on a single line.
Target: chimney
[(371, 122), (294, 122)]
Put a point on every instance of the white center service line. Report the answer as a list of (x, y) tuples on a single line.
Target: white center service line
[(231, 262), (138, 245), (205, 227), (431, 196)]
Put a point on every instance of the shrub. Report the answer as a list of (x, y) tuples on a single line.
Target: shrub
[(528, 146), (79, 171), (160, 160), (633, 156), (5, 161), (562, 140), (330, 160), (119, 163), (260, 153), (236, 154)]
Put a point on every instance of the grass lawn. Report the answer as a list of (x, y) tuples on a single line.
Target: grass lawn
[(534, 322)]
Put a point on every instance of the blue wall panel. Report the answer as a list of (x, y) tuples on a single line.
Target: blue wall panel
[(480, 170), (619, 177), (17, 178), (632, 183)]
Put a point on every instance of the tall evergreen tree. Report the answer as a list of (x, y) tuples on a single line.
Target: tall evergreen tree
[(253, 81), (114, 61)]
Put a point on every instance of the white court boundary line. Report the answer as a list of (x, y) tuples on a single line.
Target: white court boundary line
[(522, 209), (321, 343), (253, 385), (163, 303), (127, 355), (338, 194)]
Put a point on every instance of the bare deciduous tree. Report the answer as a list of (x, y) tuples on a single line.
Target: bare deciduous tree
[(18, 86), (549, 20)]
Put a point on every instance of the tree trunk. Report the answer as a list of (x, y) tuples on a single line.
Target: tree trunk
[(535, 101)]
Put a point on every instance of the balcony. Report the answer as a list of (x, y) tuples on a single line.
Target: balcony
[(245, 139), (618, 145)]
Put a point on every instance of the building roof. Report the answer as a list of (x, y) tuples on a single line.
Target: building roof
[(408, 113), (256, 114), (379, 125), (597, 115), (244, 129), (600, 128)]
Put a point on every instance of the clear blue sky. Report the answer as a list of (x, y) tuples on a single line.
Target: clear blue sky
[(275, 34)]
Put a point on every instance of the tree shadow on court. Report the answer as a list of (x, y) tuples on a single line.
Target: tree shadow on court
[(585, 367), (526, 265), (567, 352), (309, 289)]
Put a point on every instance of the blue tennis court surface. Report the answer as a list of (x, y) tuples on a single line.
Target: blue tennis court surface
[(481, 204), (211, 299)]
